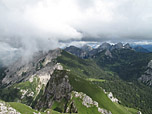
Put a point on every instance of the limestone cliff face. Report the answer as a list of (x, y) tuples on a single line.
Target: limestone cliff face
[(58, 90), (147, 76), (42, 64)]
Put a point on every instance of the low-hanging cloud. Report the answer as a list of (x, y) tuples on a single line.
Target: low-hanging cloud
[(33, 25)]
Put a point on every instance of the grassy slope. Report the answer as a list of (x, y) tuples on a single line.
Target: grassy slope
[(13, 93), (87, 68), (95, 80), (82, 67), (22, 108), (97, 94), (83, 109), (130, 94), (129, 65)]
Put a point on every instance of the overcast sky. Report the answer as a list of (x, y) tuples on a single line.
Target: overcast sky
[(31, 25)]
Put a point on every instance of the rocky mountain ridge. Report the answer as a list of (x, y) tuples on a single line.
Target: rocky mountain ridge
[(41, 64), (86, 51), (76, 51)]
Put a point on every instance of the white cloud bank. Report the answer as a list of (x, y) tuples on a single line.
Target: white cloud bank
[(40, 24)]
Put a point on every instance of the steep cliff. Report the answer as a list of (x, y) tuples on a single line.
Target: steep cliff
[(58, 90), (147, 76)]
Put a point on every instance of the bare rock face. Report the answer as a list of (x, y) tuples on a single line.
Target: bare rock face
[(119, 45), (76, 51), (7, 109), (104, 46), (150, 64), (86, 48), (108, 53), (42, 64), (139, 112), (147, 76), (127, 46), (113, 99), (58, 89), (116, 46)]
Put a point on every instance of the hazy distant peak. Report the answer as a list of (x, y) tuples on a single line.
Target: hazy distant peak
[(140, 49), (119, 45), (127, 46), (86, 48), (104, 46)]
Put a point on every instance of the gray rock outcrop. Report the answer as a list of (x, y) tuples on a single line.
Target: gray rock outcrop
[(104, 46), (86, 48), (147, 76), (58, 89), (76, 51), (41, 63)]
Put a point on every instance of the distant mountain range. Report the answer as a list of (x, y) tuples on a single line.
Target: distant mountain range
[(141, 49), (87, 51), (107, 54), (148, 47)]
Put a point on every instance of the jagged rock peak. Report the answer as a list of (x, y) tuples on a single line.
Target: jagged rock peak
[(119, 45), (107, 46), (76, 51), (104, 46), (72, 48), (86, 48), (127, 46)]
